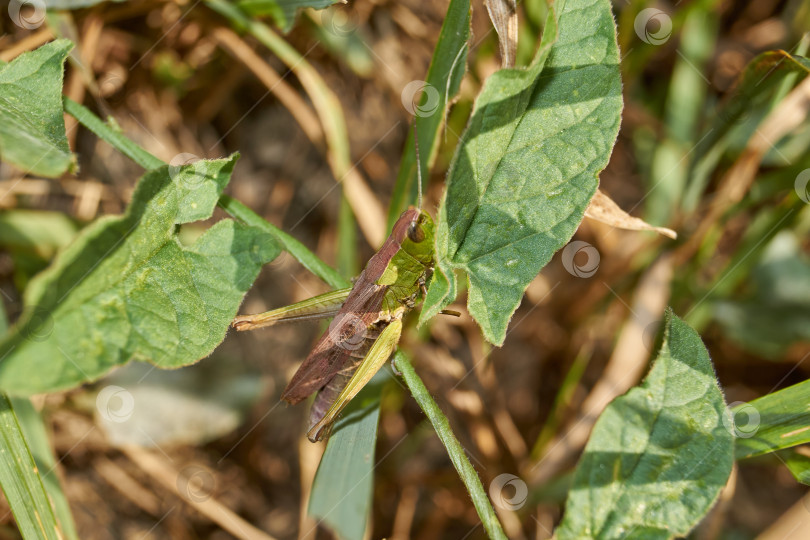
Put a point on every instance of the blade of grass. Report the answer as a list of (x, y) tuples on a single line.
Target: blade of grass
[(36, 436), (107, 133), (444, 76), (29, 427), (295, 248), (21, 481), (454, 449)]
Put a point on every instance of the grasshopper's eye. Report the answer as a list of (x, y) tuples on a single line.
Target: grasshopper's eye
[(415, 232)]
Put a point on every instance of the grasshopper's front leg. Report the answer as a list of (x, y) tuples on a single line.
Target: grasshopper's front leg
[(322, 306)]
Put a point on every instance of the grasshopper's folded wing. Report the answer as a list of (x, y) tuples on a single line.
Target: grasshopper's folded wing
[(347, 333), (371, 364)]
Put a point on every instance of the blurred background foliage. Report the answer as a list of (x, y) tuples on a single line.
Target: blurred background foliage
[(180, 77)]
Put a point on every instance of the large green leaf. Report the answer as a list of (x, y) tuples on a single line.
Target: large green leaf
[(527, 165), (32, 128), (773, 422), (659, 455), (127, 289)]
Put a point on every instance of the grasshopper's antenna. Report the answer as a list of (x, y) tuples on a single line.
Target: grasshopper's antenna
[(418, 168)]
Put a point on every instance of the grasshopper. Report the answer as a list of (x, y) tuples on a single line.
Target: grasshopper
[(367, 321)]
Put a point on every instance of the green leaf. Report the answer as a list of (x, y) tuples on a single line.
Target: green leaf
[(659, 455), (798, 465), (443, 79), (127, 289), (527, 166), (342, 489), (283, 12), (772, 422), (32, 128), (20, 480), (33, 428)]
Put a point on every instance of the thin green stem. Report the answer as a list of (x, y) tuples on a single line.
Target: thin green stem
[(295, 248), (107, 133), (454, 449)]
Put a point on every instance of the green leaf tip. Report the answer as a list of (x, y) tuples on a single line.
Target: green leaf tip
[(659, 455), (528, 164), (127, 289), (32, 127)]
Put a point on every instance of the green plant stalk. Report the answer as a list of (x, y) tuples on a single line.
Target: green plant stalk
[(295, 248), (236, 209), (105, 132), (454, 449)]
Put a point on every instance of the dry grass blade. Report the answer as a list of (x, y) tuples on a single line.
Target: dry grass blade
[(503, 14), (28, 43), (169, 477), (302, 112), (602, 208)]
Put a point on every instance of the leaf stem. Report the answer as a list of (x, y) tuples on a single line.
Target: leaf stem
[(454, 449), (118, 140), (295, 248)]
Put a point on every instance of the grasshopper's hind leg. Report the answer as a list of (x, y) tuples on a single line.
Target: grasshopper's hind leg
[(318, 307)]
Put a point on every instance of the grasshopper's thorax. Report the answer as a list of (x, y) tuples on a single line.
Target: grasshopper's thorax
[(407, 270)]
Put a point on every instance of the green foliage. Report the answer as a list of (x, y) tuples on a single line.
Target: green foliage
[(126, 289), (32, 131), (443, 79), (20, 480), (659, 455), (527, 165), (773, 422)]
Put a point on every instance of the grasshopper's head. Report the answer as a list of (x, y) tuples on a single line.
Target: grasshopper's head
[(419, 235)]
